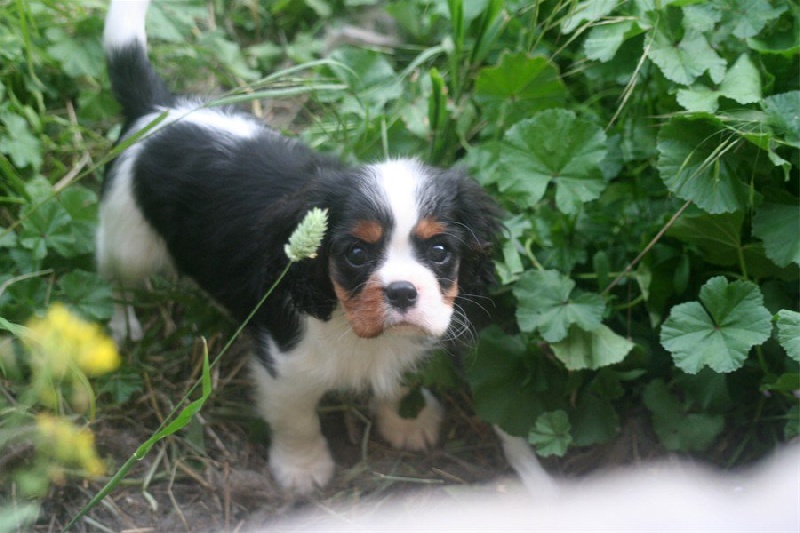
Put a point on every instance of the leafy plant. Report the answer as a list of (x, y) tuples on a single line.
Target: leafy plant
[(646, 154), (641, 155)]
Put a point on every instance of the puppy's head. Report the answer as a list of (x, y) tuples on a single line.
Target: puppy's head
[(406, 245)]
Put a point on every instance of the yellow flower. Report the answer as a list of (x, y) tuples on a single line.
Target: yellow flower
[(99, 356), (67, 445), (61, 339)]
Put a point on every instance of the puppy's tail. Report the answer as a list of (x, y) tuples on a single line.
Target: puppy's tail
[(135, 84)]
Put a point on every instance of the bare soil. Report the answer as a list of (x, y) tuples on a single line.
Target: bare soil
[(213, 475)]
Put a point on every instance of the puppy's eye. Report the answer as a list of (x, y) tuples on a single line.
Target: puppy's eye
[(357, 255), (439, 253)]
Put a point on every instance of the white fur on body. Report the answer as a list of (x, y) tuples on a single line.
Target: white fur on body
[(330, 357)]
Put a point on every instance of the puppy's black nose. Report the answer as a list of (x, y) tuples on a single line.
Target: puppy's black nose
[(401, 295)]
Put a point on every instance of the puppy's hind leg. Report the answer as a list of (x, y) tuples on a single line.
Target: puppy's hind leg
[(128, 248)]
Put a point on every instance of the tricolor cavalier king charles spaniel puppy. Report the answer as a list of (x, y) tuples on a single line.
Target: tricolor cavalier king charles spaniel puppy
[(212, 194)]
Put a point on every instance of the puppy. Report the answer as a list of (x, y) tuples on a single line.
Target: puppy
[(213, 194)]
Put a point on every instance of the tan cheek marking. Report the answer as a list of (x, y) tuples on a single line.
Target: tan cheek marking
[(428, 227), (449, 295), (365, 310), (368, 231)]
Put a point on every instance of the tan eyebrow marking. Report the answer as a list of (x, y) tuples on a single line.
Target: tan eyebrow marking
[(429, 227), (368, 231)]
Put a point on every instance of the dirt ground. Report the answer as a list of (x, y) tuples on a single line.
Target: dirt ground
[(213, 475)]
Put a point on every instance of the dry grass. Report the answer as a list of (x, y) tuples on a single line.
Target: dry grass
[(213, 474)]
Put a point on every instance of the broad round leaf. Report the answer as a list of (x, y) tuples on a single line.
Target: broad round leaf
[(501, 382), (546, 303), (551, 434), (789, 332), (591, 349), (555, 146), (692, 167), (526, 83), (777, 226), (782, 111), (604, 40), (690, 58), (676, 429), (741, 83), (720, 332)]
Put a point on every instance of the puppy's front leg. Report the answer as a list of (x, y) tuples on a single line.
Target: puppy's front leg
[(408, 433), (298, 455)]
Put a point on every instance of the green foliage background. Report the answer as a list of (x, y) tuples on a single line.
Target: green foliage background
[(646, 153)]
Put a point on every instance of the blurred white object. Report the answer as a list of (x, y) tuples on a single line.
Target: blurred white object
[(671, 496)]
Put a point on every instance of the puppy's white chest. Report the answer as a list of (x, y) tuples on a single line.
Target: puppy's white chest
[(334, 357)]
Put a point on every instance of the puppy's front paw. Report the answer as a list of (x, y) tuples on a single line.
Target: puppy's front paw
[(410, 433), (301, 469)]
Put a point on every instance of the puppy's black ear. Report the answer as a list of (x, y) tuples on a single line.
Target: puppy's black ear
[(480, 217), (310, 285)]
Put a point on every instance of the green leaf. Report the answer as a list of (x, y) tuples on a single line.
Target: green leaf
[(741, 83), (718, 237), (594, 420), (701, 17), (81, 205), (783, 116), (368, 74), (678, 430), (788, 382), (511, 266), (698, 98), (591, 349), (502, 381), (79, 56), (587, 11), (22, 147), (551, 434), (87, 293), (47, 227), (549, 303), (604, 40), (788, 323), (555, 146), (748, 17), (693, 166), (14, 329), (720, 332), (172, 21), (186, 414), (526, 83), (18, 516), (792, 428), (685, 61), (778, 225), (121, 385)]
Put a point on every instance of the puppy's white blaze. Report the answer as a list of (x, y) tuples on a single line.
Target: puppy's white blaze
[(127, 247), (400, 180), (125, 23)]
